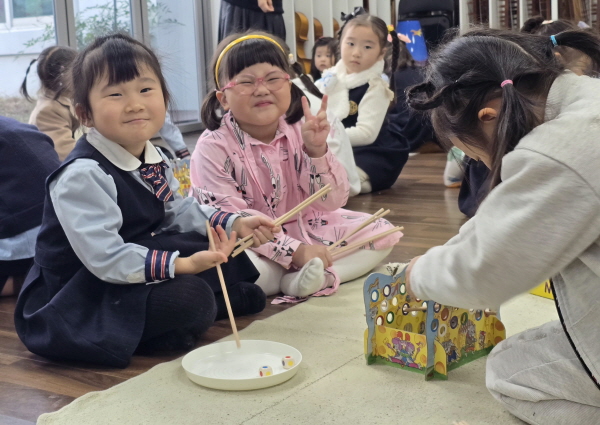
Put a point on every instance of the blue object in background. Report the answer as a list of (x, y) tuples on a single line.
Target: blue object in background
[(417, 47)]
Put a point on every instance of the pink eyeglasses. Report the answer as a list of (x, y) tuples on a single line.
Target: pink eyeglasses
[(247, 84)]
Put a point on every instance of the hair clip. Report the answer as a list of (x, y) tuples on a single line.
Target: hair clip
[(357, 11), (291, 59), (553, 39)]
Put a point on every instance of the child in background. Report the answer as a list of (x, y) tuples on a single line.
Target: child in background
[(406, 124), (512, 105), (27, 157), (262, 159), (324, 56), (360, 97), (54, 114), (122, 261), (337, 140)]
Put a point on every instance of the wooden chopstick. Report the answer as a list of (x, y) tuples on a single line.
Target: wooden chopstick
[(211, 242), (248, 242), (366, 241), (364, 224)]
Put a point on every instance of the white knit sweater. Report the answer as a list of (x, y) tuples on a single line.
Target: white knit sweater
[(542, 221), (336, 83)]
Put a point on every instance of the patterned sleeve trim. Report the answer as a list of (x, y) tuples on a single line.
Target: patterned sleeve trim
[(182, 153), (220, 218), (157, 265)]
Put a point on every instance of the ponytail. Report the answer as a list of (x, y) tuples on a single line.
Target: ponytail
[(517, 117), (210, 107), (431, 100), (295, 112), (585, 42), (306, 80), (23, 89), (533, 25)]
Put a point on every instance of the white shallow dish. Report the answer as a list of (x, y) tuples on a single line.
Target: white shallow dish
[(223, 366)]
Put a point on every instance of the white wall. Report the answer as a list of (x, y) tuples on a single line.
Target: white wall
[(13, 71)]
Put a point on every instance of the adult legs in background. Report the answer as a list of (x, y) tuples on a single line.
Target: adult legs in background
[(234, 19), (538, 377)]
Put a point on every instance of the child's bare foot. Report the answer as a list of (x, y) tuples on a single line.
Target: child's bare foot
[(9, 287), (12, 286)]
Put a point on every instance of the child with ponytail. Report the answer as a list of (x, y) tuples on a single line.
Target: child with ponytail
[(267, 154), (361, 98), (337, 140), (509, 101), (54, 114)]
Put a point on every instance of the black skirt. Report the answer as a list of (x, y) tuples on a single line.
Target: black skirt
[(238, 19)]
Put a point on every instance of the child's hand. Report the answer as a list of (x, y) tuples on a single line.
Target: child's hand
[(204, 260), (266, 5), (261, 228), (407, 276), (315, 129), (305, 253)]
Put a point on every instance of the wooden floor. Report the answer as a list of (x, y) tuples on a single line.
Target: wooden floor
[(31, 385)]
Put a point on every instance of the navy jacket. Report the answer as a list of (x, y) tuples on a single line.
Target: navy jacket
[(27, 157)]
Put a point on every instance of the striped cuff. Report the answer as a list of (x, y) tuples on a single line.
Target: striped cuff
[(157, 265), (220, 218), (182, 153)]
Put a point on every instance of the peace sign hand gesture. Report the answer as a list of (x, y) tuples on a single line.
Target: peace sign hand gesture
[(315, 129)]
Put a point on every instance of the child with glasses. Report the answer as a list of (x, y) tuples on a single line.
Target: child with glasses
[(262, 158)]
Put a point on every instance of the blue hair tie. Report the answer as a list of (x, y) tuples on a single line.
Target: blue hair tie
[(553, 38)]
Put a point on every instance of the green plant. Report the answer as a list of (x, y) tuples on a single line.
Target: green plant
[(98, 20)]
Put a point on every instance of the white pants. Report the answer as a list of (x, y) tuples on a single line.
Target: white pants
[(537, 376), (348, 268)]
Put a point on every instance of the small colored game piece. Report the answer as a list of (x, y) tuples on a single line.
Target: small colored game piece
[(265, 371), (288, 362)]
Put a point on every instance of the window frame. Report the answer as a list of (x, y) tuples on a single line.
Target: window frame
[(64, 21)]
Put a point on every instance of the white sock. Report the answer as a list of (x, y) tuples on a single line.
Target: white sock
[(365, 181), (305, 282), (454, 171)]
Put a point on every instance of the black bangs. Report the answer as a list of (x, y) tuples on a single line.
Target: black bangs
[(120, 61), (250, 52), (119, 57)]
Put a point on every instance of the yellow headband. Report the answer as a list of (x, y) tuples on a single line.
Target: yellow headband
[(237, 41)]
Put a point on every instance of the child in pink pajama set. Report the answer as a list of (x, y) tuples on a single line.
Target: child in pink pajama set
[(261, 158)]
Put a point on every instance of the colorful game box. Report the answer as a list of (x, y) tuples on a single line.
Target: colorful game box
[(423, 336)]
